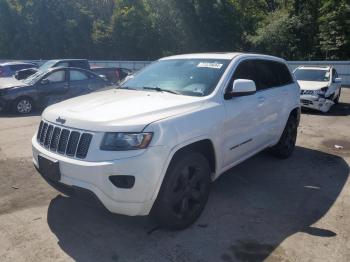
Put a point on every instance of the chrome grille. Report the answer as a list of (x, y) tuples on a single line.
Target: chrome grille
[(306, 92), (63, 140)]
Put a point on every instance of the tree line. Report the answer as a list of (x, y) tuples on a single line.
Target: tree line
[(149, 29)]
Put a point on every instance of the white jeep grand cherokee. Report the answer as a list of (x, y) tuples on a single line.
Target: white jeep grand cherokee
[(155, 144)]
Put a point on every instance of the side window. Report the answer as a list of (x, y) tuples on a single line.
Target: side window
[(56, 77), (266, 75), (245, 70), (282, 73), (334, 75), (76, 75)]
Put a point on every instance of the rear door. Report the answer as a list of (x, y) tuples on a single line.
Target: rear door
[(53, 87), (274, 86), (79, 83)]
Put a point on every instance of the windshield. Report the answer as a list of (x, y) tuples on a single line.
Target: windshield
[(312, 75), (47, 65), (33, 78), (193, 77)]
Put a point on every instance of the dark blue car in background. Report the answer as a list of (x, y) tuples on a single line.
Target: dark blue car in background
[(47, 87), (10, 68)]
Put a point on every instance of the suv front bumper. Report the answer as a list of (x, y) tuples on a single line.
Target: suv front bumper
[(92, 178), (316, 103)]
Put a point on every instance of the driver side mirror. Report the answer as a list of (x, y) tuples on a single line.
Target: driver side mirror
[(45, 81), (241, 87), (337, 80)]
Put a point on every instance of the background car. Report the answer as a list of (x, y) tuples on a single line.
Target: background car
[(77, 63), (10, 68), (47, 87), (112, 74), (320, 87)]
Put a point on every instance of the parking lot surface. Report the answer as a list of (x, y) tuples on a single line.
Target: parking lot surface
[(262, 210)]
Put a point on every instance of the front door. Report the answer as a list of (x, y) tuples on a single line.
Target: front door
[(241, 129)]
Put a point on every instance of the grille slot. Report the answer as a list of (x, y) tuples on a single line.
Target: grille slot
[(83, 146), (47, 140), (306, 92), (62, 145), (72, 143), (43, 133), (64, 141), (55, 139), (39, 131)]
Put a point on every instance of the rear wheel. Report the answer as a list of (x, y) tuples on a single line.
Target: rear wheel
[(23, 105), (286, 144), (184, 191)]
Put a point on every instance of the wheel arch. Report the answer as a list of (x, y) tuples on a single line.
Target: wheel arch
[(31, 98), (296, 112), (203, 145)]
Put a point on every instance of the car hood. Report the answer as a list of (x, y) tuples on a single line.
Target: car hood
[(312, 85), (120, 110), (9, 82)]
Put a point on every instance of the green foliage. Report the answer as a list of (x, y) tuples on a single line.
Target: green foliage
[(335, 29), (149, 29)]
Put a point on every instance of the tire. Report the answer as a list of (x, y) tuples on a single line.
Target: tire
[(184, 191), (286, 145), (23, 105), (336, 100)]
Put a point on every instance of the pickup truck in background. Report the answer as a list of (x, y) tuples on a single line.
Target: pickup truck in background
[(76, 63)]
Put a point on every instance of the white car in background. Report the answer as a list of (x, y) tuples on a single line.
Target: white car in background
[(320, 87)]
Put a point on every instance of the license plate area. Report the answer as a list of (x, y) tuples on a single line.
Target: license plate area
[(49, 168)]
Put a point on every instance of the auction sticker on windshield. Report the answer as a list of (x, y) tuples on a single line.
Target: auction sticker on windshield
[(210, 65)]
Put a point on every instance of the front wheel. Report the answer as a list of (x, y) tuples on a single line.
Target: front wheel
[(23, 105), (286, 144), (184, 191), (336, 100)]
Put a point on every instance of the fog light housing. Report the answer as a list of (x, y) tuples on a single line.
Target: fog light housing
[(125, 182)]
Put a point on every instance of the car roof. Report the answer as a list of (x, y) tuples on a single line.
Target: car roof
[(224, 56), (325, 68), (227, 56), (66, 59), (16, 63)]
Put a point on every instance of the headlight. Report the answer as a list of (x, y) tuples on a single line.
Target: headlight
[(125, 141), (321, 91)]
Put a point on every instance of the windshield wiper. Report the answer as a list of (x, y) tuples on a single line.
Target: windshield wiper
[(158, 89), (125, 87)]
